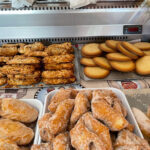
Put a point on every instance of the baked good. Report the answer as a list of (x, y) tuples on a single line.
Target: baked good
[(126, 52), (99, 129), (87, 62), (133, 49), (143, 121), (91, 49), (112, 44), (1, 75), (102, 62), (37, 46), (8, 51), (58, 74), (96, 72), (118, 57), (81, 106), (59, 59), (3, 80), (42, 146), (62, 142), (19, 59), (106, 49), (84, 139), (86, 56), (143, 45), (6, 144), (58, 81), (44, 130), (126, 66), (59, 66), (128, 140), (31, 53), (143, 65), (12, 45), (17, 110), (16, 132), (60, 96), (4, 59), (103, 111), (147, 53)]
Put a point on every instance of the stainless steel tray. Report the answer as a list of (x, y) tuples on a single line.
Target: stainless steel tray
[(120, 95), (41, 84), (114, 75)]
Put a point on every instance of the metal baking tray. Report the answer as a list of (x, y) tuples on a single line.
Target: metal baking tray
[(41, 84), (38, 106), (114, 75), (130, 117)]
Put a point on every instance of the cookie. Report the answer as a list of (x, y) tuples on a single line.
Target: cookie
[(133, 49), (143, 45), (96, 72), (91, 49), (105, 48), (112, 44), (143, 65), (102, 62), (147, 53), (126, 66), (87, 62), (83, 55), (126, 52), (117, 57)]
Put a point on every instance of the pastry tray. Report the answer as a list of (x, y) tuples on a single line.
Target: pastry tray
[(38, 106), (41, 84), (120, 95), (114, 75)]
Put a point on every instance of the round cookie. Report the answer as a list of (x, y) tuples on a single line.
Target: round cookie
[(126, 52), (87, 62), (112, 44), (96, 72), (117, 57), (143, 45), (102, 62), (83, 55), (133, 49), (147, 53), (105, 48), (91, 49), (143, 65), (126, 66)]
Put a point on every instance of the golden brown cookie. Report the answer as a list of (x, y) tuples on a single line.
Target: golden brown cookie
[(112, 44), (105, 48), (102, 62), (133, 49), (147, 53), (143, 45), (87, 62), (143, 65), (91, 49), (126, 52), (96, 72), (126, 66), (117, 57), (86, 56)]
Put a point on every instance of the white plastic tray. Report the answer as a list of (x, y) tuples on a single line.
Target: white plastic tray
[(38, 106), (130, 117)]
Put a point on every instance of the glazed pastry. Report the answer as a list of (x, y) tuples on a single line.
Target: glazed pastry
[(44, 128), (104, 112), (17, 110), (62, 142), (81, 106), (15, 131), (83, 139), (126, 138), (60, 96), (6, 144), (99, 129), (43, 146)]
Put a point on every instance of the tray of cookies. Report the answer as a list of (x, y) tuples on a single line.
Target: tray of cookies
[(18, 123), (36, 65), (85, 118), (114, 60)]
